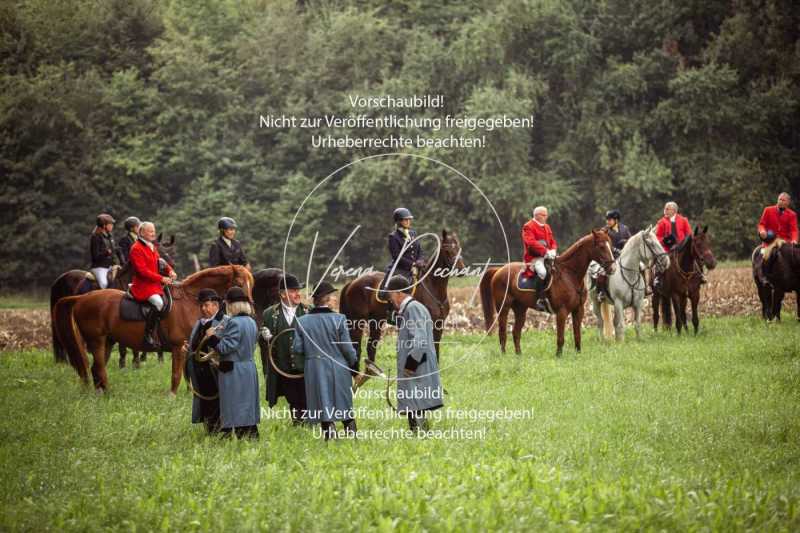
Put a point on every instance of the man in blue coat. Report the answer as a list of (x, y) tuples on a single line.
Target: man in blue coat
[(235, 341), (205, 391), (323, 343), (419, 388)]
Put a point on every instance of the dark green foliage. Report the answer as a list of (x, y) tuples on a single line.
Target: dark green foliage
[(152, 109)]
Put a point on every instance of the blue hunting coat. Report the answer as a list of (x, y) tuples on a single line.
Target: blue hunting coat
[(416, 351)]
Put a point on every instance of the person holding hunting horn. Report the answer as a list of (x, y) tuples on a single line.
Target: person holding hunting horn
[(282, 374), (419, 388), (323, 342), (200, 375)]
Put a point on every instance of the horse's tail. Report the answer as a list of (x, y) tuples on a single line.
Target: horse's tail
[(487, 298), (70, 336), (605, 312), (58, 290)]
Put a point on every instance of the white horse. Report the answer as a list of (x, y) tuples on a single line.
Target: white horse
[(627, 284)]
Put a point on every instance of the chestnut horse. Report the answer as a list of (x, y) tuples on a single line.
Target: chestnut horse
[(359, 303), (566, 292), (94, 317), (682, 281), (75, 282)]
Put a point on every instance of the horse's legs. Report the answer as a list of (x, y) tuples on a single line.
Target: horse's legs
[(619, 320), (177, 369), (777, 303), (160, 356), (98, 348), (502, 326), (679, 308), (666, 310), (656, 301), (561, 322), (373, 340), (437, 337), (597, 313), (123, 353), (695, 299), (637, 317), (520, 314), (355, 336), (577, 318)]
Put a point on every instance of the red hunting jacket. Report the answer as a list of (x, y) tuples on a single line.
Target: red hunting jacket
[(537, 239), (664, 228), (146, 279), (784, 225)]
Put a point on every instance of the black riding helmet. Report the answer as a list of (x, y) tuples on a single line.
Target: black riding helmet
[(226, 223), (613, 213), (401, 213), (132, 222)]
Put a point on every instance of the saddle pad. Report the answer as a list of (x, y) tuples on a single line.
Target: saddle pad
[(525, 283), (131, 310)]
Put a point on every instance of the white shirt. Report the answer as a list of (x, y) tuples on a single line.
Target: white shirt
[(672, 218), (288, 312), (227, 241)]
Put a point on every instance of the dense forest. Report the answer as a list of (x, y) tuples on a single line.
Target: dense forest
[(151, 108)]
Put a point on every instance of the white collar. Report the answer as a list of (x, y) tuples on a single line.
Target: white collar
[(404, 303), (542, 225), (147, 243), (226, 241), (673, 217)]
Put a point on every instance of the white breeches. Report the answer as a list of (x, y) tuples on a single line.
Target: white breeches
[(539, 268), (101, 275), (157, 301)]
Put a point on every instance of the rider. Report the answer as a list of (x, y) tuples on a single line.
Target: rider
[(780, 220), (102, 249), (409, 259), (539, 245), (619, 234), (125, 243), (147, 282), (671, 230), (226, 250)]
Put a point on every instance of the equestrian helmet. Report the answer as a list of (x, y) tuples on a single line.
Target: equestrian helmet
[(323, 289), (289, 282), (226, 223), (402, 213), (132, 222), (613, 213)]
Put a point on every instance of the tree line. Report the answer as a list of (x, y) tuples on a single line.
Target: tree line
[(151, 108)]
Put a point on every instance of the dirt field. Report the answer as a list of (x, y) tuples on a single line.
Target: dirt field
[(729, 291)]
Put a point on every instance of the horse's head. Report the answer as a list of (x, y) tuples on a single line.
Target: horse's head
[(701, 248), (450, 251), (601, 250), (166, 249), (653, 251), (244, 279)]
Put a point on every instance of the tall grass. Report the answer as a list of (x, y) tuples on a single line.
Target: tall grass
[(663, 433)]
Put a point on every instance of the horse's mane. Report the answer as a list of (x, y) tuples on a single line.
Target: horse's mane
[(214, 271), (572, 250)]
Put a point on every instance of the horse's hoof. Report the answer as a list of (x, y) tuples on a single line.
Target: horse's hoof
[(171, 395)]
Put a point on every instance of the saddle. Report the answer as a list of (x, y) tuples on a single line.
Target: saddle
[(531, 283), (136, 311)]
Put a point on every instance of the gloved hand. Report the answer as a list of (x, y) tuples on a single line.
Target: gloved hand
[(266, 334), (551, 254)]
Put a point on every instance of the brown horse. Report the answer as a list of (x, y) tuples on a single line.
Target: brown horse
[(566, 292), (94, 317), (265, 290), (682, 280), (77, 282), (782, 273), (359, 303)]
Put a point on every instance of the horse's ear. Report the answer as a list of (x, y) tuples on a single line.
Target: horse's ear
[(444, 233), (705, 230), (171, 240), (159, 237)]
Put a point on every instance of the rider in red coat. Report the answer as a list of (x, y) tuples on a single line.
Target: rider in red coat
[(779, 219), (538, 243), (672, 228), (147, 281)]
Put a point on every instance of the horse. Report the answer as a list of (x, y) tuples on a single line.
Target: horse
[(265, 290), (781, 270), (626, 286), (682, 280), (358, 299), (75, 282), (90, 319), (565, 291)]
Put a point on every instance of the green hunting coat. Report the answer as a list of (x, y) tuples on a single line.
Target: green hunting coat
[(274, 319)]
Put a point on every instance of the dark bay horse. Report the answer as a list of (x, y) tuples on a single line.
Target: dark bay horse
[(358, 298), (265, 290), (566, 292), (782, 274), (91, 319), (77, 282), (682, 281)]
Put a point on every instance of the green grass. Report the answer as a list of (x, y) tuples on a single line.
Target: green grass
[(669, 433), (34, 300)]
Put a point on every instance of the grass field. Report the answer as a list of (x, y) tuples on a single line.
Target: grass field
[(663, 433)]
